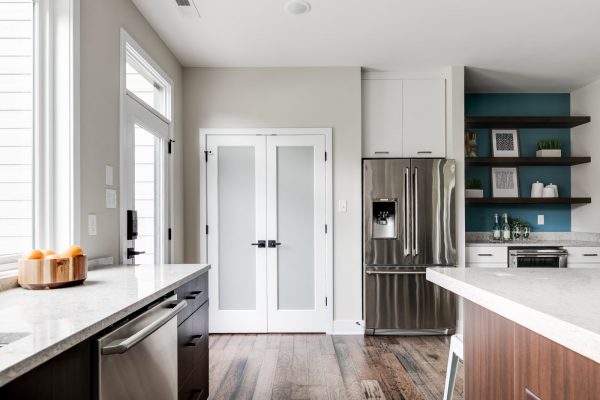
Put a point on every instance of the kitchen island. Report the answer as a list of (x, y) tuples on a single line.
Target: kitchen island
[(528, 333), (49, 334)]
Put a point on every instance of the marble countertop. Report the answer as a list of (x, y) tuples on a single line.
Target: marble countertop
[(561, 304), (53, 321), (529, 243)]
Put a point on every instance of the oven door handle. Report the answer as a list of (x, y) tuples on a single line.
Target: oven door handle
[(539, 255), (120, 346)]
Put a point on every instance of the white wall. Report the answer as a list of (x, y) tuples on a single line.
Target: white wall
[(285, 97), (100, 29), (585, 141)]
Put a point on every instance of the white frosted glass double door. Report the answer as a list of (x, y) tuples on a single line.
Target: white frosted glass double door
[(266, 232)]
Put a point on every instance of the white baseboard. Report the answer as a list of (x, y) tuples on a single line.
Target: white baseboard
[(348, 327)]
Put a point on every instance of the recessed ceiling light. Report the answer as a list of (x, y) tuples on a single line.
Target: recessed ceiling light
[(297, 7)]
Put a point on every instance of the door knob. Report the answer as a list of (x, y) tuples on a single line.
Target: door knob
[(274, 243), (259, 243)]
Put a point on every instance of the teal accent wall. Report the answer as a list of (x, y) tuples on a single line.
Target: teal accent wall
[(557, 217)]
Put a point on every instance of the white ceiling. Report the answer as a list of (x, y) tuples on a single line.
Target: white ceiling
[(507, 45)]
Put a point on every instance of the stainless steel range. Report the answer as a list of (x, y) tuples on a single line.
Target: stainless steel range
[(408, 225)]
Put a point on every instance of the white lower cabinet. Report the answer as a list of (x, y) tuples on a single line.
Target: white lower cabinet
[(490, 256), (583, 257)]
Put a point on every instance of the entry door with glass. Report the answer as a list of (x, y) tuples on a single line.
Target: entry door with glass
[(266, 232), (144, 186)]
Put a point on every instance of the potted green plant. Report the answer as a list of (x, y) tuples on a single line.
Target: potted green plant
[(548, 148), (474, 188)]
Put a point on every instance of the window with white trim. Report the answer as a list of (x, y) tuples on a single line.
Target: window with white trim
[(17, 185), (39, 165)]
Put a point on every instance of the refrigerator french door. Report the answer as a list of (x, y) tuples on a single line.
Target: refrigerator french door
[(408, 225)]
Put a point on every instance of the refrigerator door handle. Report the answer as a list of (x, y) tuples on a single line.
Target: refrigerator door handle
[(406, 213), (415, 212)]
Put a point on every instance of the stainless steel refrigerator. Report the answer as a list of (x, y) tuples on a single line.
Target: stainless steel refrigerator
[(408, 225)]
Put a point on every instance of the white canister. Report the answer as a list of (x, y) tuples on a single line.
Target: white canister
[(548, 192), (555, 188), (536, 189)]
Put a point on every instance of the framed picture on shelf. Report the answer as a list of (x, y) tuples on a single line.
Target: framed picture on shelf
[(470, 144), (505, 182), (505, 142)]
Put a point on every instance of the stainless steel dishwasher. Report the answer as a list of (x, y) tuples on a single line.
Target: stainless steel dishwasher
[(138, 360)]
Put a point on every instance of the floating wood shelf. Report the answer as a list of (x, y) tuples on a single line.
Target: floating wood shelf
[(528, 200), (526, 161), (525, 122)]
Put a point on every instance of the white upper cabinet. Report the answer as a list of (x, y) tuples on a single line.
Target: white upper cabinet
[(424, 122), (404, 118), (382, 117)]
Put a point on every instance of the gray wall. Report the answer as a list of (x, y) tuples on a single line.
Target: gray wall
[(292, 98), (100, 31)]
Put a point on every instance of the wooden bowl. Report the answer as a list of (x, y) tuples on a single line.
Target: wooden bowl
[(52, 273)]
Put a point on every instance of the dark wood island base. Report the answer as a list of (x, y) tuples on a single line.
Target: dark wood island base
[(504, 360)]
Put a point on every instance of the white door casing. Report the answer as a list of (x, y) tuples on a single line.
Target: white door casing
[(302, 158)]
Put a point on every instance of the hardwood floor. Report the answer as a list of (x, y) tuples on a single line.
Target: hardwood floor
[(297, 366)]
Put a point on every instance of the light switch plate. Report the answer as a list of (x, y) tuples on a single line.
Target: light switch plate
[(92, 226), (111, 198), (342, 206), (109, 175), (540, 220)]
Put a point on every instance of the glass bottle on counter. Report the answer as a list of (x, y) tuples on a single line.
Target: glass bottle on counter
[(496, 232), (505, 228)]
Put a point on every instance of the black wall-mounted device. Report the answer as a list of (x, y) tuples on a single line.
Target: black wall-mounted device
[(132, 225)]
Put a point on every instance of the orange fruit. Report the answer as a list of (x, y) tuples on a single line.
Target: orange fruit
[(73, 251), (34, 254), (48, 252), (52, 256)]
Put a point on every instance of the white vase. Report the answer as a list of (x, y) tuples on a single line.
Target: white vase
[(548, 153), (474, 193)]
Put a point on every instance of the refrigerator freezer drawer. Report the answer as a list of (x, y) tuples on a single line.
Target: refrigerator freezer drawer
[(401, 300)]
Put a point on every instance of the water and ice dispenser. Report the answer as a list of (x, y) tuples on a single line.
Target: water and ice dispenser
[(384, 219)]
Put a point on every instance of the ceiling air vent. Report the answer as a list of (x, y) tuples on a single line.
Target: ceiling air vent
[(187, 8)]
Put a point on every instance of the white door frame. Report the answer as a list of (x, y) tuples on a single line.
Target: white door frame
[(127, 40), (328, 134)]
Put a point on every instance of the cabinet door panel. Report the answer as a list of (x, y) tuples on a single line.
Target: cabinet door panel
[(382, 117), (424, 118), (550, 371)]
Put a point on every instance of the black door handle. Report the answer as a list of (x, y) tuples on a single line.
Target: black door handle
[(259, 243), (132, 253), (274, 243)]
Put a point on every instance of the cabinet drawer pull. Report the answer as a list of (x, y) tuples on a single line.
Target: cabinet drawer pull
[(591, 255), (485, 255), (424, 152), (194, 295), (529, 395), (194, 341), (382, 152)]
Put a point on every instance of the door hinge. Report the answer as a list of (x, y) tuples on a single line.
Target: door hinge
[(169, 234), (325, 301), (325, 228), (206, 153), (169, 150), (207, 229), (325, 156)]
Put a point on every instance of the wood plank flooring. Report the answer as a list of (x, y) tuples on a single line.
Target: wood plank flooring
[(313, 366)]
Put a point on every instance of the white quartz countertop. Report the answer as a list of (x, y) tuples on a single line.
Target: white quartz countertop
[(559, 303), (533, 243), (56, 320)]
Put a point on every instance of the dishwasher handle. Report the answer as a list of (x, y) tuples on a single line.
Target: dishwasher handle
[(120, 346)]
